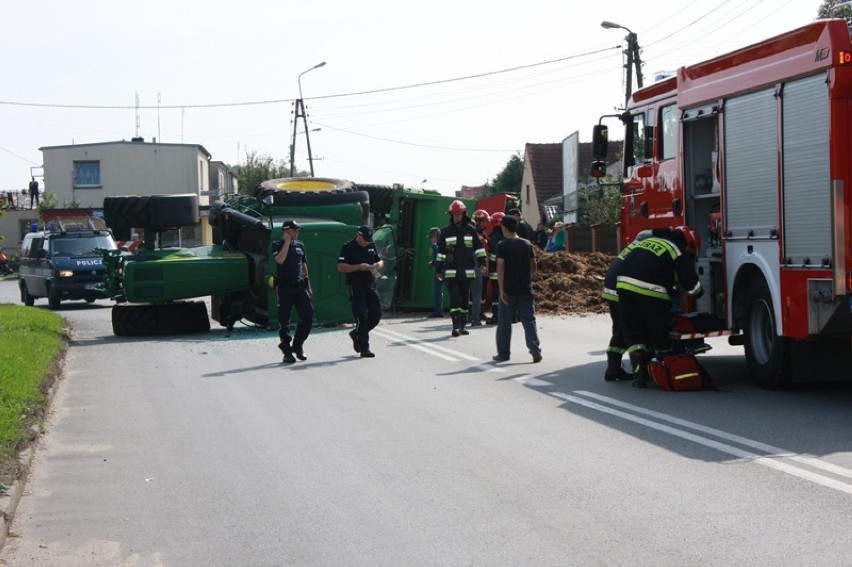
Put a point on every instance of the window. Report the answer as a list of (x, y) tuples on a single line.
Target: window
[(668, 123), (87, 174)]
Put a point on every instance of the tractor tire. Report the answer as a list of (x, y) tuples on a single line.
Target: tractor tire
[(124, 213), (287, 199), (302, 185), (172, 211), (160, 319), (381, 198)]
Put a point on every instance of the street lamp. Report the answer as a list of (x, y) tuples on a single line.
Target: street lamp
[(300, 112), (632, 53)]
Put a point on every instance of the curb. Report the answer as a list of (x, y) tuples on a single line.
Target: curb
[(10, 500)]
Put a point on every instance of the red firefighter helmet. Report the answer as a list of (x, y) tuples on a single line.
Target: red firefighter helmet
[(497, 219), (692, 238), (481, 214), (457, 207)]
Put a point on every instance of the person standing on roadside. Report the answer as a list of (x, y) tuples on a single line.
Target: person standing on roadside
[(437, 284), (360, 261), (516, 266), (294, 290), (558, 239), (524, 228), (481, 218), (493, 241), (460, 256), (540, 236)]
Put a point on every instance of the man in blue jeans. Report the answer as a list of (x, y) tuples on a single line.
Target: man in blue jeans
[(516, 266)]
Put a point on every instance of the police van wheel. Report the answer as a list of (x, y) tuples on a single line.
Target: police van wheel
[(53, 299), (26, 298)]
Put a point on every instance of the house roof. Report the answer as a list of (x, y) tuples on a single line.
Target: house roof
[(545, 163), (125, 142)]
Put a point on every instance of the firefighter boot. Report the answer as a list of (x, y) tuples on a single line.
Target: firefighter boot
[(462, 323), (614, 371), (639, 362), (455, 317)]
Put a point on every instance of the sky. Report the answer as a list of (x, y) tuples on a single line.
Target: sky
[(434, 94)]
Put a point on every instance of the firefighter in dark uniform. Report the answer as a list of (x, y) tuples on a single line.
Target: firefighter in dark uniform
[(461, 257), (647, 275), (617, 343), (294, 290), (360, 261), (493, 241)]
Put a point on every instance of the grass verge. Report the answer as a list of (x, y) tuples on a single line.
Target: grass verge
[(31, 343)]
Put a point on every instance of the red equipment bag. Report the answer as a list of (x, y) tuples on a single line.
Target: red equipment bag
[(680, 372)]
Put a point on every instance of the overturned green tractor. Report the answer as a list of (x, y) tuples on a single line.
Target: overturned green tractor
[(157, 288)]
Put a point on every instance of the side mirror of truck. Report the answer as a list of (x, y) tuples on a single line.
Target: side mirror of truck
[(600, 141), (598, 170), (645, 171)]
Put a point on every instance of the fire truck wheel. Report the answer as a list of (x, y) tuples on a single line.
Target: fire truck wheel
[(767, 354)]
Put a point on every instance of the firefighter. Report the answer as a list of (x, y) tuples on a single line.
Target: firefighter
[(648, 274), (460, 256), (617, 344), (493, 241), (481, 218)]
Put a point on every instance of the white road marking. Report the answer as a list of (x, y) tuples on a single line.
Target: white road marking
[(428, 348), (772, 461), (532, 381), (770, 449)]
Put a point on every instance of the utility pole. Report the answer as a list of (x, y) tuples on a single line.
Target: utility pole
[(633, 60), (300, 113)]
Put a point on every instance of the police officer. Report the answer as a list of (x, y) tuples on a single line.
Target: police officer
[(360, 261), (294, 290), (648, 274), (461, 257)]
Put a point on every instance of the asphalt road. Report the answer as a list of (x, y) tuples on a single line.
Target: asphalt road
[(205, 450)]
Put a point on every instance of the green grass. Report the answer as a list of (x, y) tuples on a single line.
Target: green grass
[(30, 341)]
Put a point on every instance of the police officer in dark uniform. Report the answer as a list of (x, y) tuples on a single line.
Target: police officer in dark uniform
[(461, 256), (360, 261), (294, 290), (645, 282)]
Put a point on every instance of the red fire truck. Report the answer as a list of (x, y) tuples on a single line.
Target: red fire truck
[(754, 150)]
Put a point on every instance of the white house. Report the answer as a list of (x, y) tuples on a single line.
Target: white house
[(81, 175)]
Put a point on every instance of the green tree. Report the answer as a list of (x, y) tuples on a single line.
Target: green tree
[(509, 180), (260, 168), (599, 204), (844, 12)]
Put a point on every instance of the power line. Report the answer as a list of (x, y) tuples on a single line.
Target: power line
[(283, 100)]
